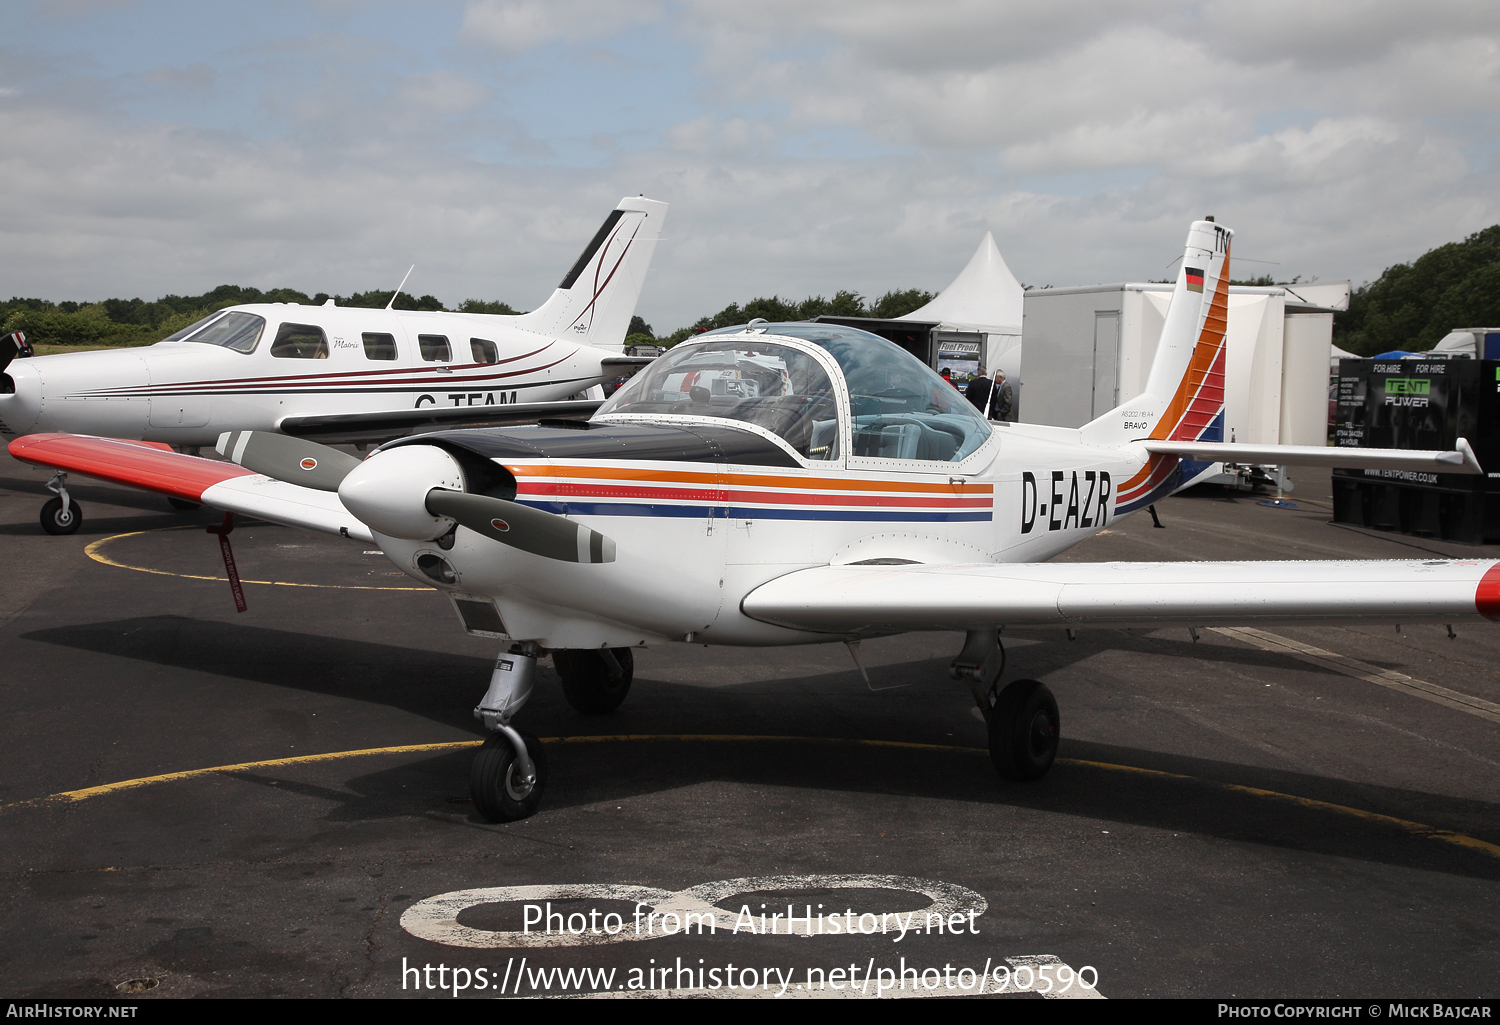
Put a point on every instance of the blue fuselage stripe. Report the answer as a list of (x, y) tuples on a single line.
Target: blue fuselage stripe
[(746, 513)]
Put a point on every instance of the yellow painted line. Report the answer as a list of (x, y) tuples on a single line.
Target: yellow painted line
[(1415, 828), (95, 551)]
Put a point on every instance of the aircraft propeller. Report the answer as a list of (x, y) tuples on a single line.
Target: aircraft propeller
[(304, 463), (380, 495)]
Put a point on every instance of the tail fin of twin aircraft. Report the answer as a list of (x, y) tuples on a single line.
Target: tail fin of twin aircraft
[(597, 298)]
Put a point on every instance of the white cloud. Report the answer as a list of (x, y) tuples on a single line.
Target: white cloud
[(514, 26)]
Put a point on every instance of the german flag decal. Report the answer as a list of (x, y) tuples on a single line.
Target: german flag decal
[(1194, 279)]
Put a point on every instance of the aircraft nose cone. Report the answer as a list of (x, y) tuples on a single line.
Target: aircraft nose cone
[(20, 399), (388, 491)]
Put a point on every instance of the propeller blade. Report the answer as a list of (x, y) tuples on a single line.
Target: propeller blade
[(520, 526), (292, 460)]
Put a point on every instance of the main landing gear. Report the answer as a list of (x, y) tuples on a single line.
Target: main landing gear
[(1022, 719), (593, 680), (60, 515)]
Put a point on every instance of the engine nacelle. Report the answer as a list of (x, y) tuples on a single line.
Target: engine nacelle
[(388, 491)]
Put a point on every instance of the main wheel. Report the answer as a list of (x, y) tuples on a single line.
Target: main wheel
[(1024, 729), (495, 783), (55, 521), (588, 680), (183, 504)]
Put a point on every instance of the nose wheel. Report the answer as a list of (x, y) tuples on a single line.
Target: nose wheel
[(507, 779), (1024, 729)]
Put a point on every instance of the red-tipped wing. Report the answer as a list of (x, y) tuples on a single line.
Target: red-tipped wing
[(140, 464)]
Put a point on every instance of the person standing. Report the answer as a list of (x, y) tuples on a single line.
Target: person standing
[(978, 391), (1002, 405)]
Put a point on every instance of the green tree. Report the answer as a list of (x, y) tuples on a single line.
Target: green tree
[(1413, 305)]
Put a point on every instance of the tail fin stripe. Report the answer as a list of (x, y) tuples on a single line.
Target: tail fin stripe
[(598, 288), (1206, 366)]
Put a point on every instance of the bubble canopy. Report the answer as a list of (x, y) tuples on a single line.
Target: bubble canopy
[(901, 408)]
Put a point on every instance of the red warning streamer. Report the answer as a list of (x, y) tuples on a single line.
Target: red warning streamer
[(229, 567)]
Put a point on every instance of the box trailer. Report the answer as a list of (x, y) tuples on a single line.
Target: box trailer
[(1427, 405)]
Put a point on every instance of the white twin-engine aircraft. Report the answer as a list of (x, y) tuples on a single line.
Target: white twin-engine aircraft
[(344, 373), (811, 482)]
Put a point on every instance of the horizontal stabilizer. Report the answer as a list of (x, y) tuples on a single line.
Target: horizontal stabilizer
[(341, 427), (1460, 460), (875, 599)]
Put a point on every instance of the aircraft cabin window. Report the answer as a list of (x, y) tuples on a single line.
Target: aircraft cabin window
[(435, 348), (300, 341), (772, 386), (378, 346), (233, 330), (484, 351), (902, 408)]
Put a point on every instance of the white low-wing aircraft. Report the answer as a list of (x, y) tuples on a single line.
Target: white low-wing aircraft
[(345, 373), (793, 484)]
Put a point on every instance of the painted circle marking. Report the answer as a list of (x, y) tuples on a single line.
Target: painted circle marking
[(436, 918), (309, 463), (500, 525), (95, 551)]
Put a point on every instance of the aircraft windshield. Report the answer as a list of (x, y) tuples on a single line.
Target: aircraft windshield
[(772, 386), (903, 409), (235, 330)]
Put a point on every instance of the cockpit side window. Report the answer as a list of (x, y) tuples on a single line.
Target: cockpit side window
[(379, 346), (781, 389), (234, 330), (435, 348), (300, 341)]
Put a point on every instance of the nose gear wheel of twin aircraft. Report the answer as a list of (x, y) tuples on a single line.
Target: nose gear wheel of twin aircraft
[(1024, 728), (595, 681), (57, 519), (499, 787)]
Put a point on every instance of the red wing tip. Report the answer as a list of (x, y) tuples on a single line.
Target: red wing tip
[(1487, 594)]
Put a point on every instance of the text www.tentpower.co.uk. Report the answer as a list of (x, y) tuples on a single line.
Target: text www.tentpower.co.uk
[(517, 978)]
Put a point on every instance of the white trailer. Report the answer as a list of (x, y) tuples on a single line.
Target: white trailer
[(1089, 348)]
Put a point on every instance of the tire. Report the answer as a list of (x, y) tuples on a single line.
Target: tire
[(492, 779), (183, 504), (586, 679), (1024, 731), (53, 521)]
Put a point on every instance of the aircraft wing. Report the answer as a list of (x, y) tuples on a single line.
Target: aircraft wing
[(333, 428), (855, 599), (1460, 460), (222, 485), (626, 361)]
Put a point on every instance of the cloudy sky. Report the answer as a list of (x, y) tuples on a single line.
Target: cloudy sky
[(805, 146)]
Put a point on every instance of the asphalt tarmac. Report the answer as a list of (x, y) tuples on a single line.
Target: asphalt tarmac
[(1304, 811)]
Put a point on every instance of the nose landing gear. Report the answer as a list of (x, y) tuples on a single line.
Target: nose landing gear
[(1022, 719), (509, 774), (60, 515)]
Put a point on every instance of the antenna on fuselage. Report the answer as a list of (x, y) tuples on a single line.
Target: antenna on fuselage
[(400, 286)]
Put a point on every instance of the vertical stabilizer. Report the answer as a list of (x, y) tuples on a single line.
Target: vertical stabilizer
[(597, 298), (1184, 396)]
